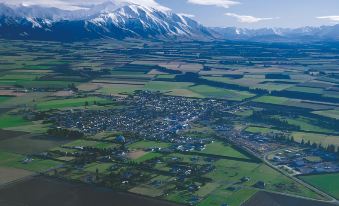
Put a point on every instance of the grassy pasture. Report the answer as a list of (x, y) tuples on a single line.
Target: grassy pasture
[(103, 168), (36, 165), (147, 144), (322, 139), (64, 103), (184, 93), (36, 83), (306, 124), (313, 90), (252, 81), (151, 190), (166, 86), (4, 98), (271, 86), (12, 160), (328, 113), (272, 100), (7, 121), (219, 148), (326, 182), (261, 130), (229, 172), (283, 101), (18, 77), (119, 89), (90, 143), (213, 92), (223, 196), (147, 156), (37, 127)]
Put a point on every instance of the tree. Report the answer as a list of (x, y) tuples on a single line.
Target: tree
[(97, 174), (331, 148), (321, 147), (292, 139), (308, 143), (60, 132)]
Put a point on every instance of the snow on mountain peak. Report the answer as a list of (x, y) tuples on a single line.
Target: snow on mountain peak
[(104, 20)]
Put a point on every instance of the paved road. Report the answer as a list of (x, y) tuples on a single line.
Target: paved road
[(319, 192), (314, 189)]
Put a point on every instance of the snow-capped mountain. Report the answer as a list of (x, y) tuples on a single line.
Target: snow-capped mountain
[(125, 20), (323, 33), (103, 20)]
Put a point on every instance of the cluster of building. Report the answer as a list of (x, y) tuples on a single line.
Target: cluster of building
[(154, 116), (148, 115), (306, 161), (288, 155)]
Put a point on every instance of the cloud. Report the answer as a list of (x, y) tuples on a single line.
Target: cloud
[(331, 18), (187, 15), (47, 3), (219, 3), (247, 19), (81, 4)]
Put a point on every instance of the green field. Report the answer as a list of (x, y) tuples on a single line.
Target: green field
[(166, 86), (147, 156), (229, 172), (329, 113), (151, 190), (89, 143), (238, 79), (12, 121), (219, 148), (214, 92), (325, 182), (120, 89), (4, 98), (16, 161), (147, 144), (37, 84), (261, 130), (272, 100), (306, 124), (18, 77), (307, 90), (223, 196), (227, 188), (65, 103), (103, 168), (322, 139)]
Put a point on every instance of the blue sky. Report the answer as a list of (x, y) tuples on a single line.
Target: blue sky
[(274, 13), (225, 13)]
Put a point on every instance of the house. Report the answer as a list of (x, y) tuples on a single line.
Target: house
[(245, 179), (260, 185)]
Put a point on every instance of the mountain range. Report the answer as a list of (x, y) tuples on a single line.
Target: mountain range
[(109, 20)]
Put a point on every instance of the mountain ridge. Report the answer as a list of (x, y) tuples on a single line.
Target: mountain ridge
[(109, 20), (104, 20)]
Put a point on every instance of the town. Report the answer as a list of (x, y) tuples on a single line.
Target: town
[(157, 119)]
